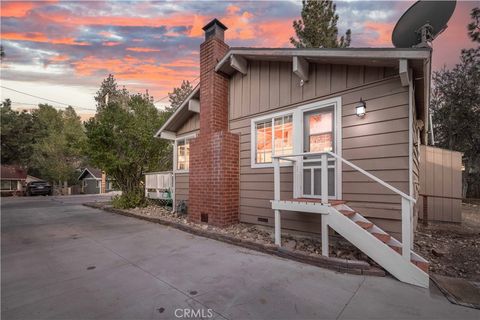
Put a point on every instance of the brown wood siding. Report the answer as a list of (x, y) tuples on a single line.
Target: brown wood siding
[(378, 142), (181, 187), (192, 124), (441, 175), (271, 85)]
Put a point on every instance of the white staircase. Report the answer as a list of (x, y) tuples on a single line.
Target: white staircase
[(378, 245), (395, 256)]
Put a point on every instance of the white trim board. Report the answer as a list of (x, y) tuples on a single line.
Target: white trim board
[(336, 103)]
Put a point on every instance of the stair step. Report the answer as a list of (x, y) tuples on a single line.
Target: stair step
[(347, 213), (422, 265), (364, 225), (336, 202), (382, 237), (397, 249)]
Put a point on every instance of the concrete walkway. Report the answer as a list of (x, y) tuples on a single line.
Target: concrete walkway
[(61, 260)]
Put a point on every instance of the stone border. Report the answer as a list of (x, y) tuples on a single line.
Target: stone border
[(340, 265)]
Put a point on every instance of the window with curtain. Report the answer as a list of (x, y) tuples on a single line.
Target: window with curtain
[(273, 137)]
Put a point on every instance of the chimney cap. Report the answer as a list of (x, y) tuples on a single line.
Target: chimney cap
[(213, 22)]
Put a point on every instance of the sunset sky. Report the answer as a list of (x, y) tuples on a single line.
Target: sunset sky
[(62, 50)]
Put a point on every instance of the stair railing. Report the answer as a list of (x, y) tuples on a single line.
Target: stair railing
[(407, 201)]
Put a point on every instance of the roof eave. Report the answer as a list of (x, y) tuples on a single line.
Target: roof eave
[(179, 110), (343, 53)]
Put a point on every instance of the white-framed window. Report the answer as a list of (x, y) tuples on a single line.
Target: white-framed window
[(271, 135), (8, 185), (182, 153)]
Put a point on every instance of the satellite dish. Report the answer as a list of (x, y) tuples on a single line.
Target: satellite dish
[(422, 23)]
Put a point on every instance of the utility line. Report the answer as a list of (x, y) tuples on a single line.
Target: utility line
[(46, 99), (66, 104), (163, 98)]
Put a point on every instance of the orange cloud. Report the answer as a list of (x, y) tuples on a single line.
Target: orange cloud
[(131, 68), (111, 43), (40, 37), (383, 31), (19, 9), (198, 23), (183, 63), (138, 49), (239, 25), (276, 33)]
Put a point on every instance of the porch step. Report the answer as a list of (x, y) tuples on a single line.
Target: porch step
[(396, 249), (364, 225), (382, 236), (347, 213), (422, 265)]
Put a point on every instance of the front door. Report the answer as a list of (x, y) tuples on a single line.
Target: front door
[(318, 136)]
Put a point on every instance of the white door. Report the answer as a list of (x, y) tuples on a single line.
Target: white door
[(318, 136)]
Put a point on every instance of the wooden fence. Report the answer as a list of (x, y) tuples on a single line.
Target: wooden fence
[(440, 185)]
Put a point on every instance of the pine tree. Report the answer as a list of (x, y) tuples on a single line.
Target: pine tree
[(110, 93), (474, 26), (318, 26), (178, 95)]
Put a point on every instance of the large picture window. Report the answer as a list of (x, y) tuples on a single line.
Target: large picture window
[(183, 154), (273, 136)]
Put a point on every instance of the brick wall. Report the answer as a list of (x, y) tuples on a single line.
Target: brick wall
[(215, 153)]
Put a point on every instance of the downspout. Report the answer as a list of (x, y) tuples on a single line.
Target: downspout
[(432, 135), (174, 167), (410, 151)]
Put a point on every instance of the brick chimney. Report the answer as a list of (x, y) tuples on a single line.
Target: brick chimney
[(215, 153)]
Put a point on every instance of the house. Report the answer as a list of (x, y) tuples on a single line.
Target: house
[(309, 140), (94, 181), (13, 179)]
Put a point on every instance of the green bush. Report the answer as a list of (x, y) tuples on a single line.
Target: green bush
[(129, 200)]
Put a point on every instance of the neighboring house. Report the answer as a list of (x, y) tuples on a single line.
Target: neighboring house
[(31, 179), (13, 179), (94, 181), (348, 122)]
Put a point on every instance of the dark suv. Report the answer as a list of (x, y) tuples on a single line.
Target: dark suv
[(39, 187)]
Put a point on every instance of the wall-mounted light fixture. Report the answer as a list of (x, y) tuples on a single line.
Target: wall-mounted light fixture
[(361, 108)]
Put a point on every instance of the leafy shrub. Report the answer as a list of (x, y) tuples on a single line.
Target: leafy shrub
[(129, 200)]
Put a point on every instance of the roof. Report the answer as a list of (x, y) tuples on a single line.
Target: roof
[(96, 173), (354, 56), (182, 114), (13, 173)]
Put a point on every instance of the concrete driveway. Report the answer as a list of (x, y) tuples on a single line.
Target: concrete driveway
[(61, 260)]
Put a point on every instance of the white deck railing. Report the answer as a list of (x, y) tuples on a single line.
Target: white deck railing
[(407, 201), (157, 183)]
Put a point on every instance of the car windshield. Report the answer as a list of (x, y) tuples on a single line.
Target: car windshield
[(38, 183)]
